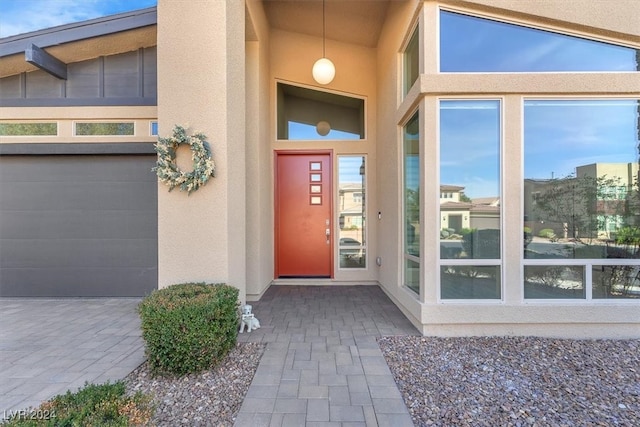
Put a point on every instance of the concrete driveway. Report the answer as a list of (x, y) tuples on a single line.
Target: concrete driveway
[(51, 345)]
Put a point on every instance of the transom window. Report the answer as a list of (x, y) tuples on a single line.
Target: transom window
[(307, 114), (472, 44), (411, 64)]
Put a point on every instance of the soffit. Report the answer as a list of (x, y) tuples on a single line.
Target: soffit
[(85, 49), (354, 22)]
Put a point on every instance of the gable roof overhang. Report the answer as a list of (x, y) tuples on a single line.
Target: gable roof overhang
[(80, 41)]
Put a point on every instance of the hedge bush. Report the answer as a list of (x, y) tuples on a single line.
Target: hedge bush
[(547, 233), (189, 327), (93, 405)]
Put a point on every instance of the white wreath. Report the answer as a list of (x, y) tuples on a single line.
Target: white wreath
[(167, 169)]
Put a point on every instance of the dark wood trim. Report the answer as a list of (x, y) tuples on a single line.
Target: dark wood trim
[(48, 149), (45, 61)]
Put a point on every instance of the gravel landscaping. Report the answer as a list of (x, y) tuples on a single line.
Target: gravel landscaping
[(516, 381), (211, 398), (512, 381)]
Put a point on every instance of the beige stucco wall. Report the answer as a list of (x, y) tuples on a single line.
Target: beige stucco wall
[(259, 156), (201, 72), (513, 315)]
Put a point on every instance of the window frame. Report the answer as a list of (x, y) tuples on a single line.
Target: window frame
[(304, 142), (586, 263), (418, 112), (364, 246), (414, 31), (473, 262), (530, 24)]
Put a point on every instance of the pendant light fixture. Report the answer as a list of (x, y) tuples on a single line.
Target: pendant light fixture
[(323, 70)]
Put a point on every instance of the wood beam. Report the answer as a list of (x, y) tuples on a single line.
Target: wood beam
[(46, 62)]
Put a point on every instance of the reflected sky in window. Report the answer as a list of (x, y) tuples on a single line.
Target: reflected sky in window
[(471, 44), (561, 135), (303, 131), (470, 146)]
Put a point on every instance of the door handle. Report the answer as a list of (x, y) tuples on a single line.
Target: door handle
[(327, 233)]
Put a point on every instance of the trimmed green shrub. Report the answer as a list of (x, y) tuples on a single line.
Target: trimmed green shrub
[(547, 233), (628, 236), (93, 405), (465, 231), (189, 327)]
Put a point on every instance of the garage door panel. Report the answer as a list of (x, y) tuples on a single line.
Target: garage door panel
[(76, 195), (45, 253), (76, 224), (79, 225), (77, 169), (88, 282)]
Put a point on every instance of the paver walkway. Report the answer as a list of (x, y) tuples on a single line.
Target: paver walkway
[(322, 365), (49, 346)]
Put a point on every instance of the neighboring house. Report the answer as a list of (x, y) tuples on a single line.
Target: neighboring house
[(595, 202), (495, 96)]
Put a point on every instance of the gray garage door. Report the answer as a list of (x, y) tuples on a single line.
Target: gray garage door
[(78, 225)]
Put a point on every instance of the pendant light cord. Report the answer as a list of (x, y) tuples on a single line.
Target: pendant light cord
[(323, 31)]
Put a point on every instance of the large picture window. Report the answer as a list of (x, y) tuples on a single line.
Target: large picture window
[(470, 217), (472, 44), (411, 203), (581, 199)]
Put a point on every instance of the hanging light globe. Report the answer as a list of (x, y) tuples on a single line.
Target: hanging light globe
[(323, 71), (323, 128)]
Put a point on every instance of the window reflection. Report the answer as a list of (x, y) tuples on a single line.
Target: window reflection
[(581, 179), (469, 282), (581, 193), (470, 179), (469, 199), (471, 44), (554, 282), (411, 214), (616, 281), (352, 211), (411, 61)]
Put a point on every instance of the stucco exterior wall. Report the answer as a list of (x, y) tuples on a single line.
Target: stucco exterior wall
[(201, 237), (401, 19), (259, 156)]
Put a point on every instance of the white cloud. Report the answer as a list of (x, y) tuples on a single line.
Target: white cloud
[(22, 16)]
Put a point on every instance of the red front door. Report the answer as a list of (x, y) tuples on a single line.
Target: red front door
[(304, 230)]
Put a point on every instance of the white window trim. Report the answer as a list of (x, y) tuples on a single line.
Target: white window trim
[(588, 263), (473, 262)]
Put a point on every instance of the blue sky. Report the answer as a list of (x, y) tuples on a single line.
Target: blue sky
[(473, 44), (23, 16)]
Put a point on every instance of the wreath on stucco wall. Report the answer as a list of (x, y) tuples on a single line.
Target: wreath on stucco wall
[(167, 169)]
